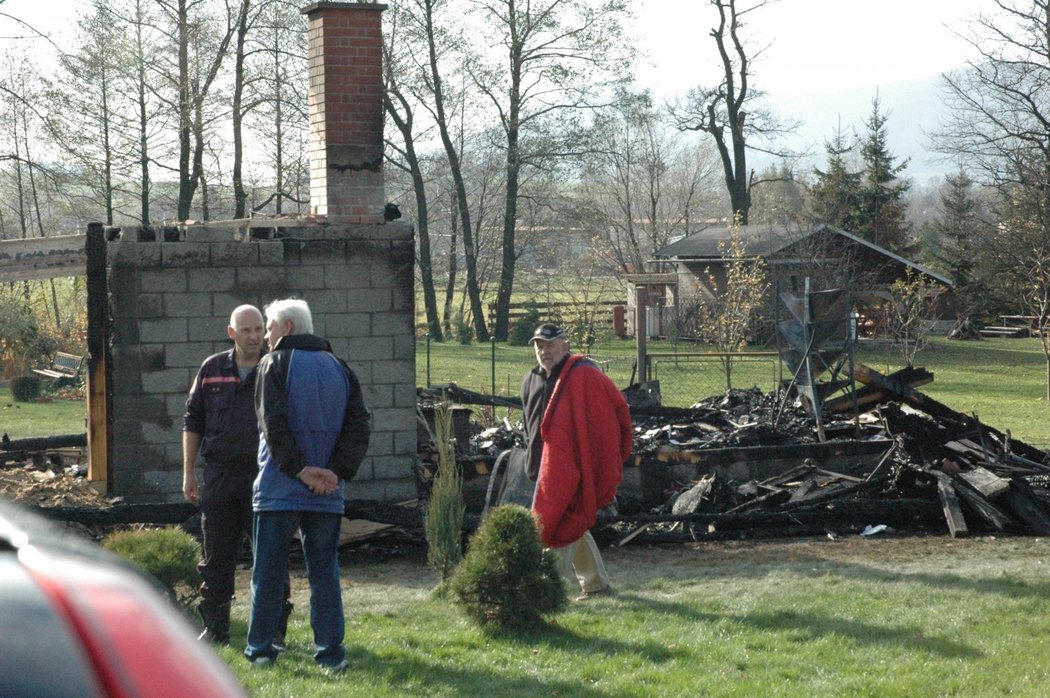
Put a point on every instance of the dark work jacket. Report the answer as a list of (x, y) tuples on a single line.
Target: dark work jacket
[(536, 390), (221, 408)]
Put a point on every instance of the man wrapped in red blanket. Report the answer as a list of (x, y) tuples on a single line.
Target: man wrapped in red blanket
[(578, 432)]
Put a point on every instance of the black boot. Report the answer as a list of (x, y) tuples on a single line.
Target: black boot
[(282, 626), (216, 619)]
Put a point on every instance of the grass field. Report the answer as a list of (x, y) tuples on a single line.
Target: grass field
[(922, 616), (23, 420), (1002, 381)]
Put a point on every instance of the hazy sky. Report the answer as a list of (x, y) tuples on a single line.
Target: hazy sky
[(813, 45)]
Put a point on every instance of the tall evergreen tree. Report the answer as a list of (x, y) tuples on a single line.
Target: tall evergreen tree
[(836, 196), (955, 234), (954, 241), (880, 216)]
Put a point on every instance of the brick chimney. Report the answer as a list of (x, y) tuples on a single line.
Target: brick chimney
[(345, 53)]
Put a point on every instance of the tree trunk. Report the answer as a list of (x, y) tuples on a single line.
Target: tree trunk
[(186, 184), (143, 127), (510, 214), (473, 290), (240, 197), (453, 266), (426, 267), (107, 149)]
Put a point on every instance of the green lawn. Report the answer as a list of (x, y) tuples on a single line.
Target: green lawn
[(23, 420), (1002, 381), (816, 617)]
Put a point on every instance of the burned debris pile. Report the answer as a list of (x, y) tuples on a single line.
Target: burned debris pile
[(752, 464)]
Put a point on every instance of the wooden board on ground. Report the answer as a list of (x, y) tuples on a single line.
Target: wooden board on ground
[(356, 530), (953, 513), (986, 482)]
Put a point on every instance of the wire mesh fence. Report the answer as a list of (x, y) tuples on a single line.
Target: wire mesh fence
[(684, 378)]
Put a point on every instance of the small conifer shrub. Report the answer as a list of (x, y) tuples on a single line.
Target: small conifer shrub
[(443, 524), (507, 581)]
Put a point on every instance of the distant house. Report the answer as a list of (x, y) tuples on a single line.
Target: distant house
[(829, 257)]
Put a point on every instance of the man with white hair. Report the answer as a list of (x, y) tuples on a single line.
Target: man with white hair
[(314, 431), (219, 424)]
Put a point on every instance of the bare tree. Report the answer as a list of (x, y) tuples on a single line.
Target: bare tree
[(642, 182), (734, 302), (89, 122), (400, 108), (275, 87), (441, 105), (999, 129), (909, 313), (147, 119), (554, 53), (199, 55), (731, 112)]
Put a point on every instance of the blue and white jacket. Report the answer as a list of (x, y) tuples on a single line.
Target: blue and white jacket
[(310, 412)]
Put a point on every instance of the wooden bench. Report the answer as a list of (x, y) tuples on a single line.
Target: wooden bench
[(1005, 331), (63, 369)]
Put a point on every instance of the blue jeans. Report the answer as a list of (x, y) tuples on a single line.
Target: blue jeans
[(274, 531)]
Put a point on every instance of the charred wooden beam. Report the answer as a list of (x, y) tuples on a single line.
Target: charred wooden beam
[(904, 393), (42, 258), (852, 511), (818, 452), (120, 513), (868, 396), (43, 443), (999, 519), (1023, 502)]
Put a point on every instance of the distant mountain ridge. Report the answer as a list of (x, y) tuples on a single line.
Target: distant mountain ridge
[(915, 108)]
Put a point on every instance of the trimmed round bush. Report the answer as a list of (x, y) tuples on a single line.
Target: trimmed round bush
[(507, 581), (170, 555), (25, 388)]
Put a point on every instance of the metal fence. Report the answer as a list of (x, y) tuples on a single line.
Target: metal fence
[(685, 378)]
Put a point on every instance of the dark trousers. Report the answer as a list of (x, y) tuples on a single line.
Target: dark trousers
[(226, 517)]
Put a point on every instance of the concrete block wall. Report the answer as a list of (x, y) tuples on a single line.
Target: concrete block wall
[(170, 303)]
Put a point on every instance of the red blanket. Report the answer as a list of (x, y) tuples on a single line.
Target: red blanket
[(587, 435)]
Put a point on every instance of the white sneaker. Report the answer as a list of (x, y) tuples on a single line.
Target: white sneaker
[(262, 661)]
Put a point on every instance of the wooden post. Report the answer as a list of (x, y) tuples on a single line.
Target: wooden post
[(98, 395), (640, 331)]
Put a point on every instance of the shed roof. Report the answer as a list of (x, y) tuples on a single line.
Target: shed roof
[(766, 240)]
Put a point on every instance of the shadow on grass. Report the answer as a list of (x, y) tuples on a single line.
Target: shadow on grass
[(405, 671), (408, 672), (698, 570), (560, 638), (815, 627)]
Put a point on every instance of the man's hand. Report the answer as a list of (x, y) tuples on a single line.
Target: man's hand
[(319, 480), (189, 487)]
